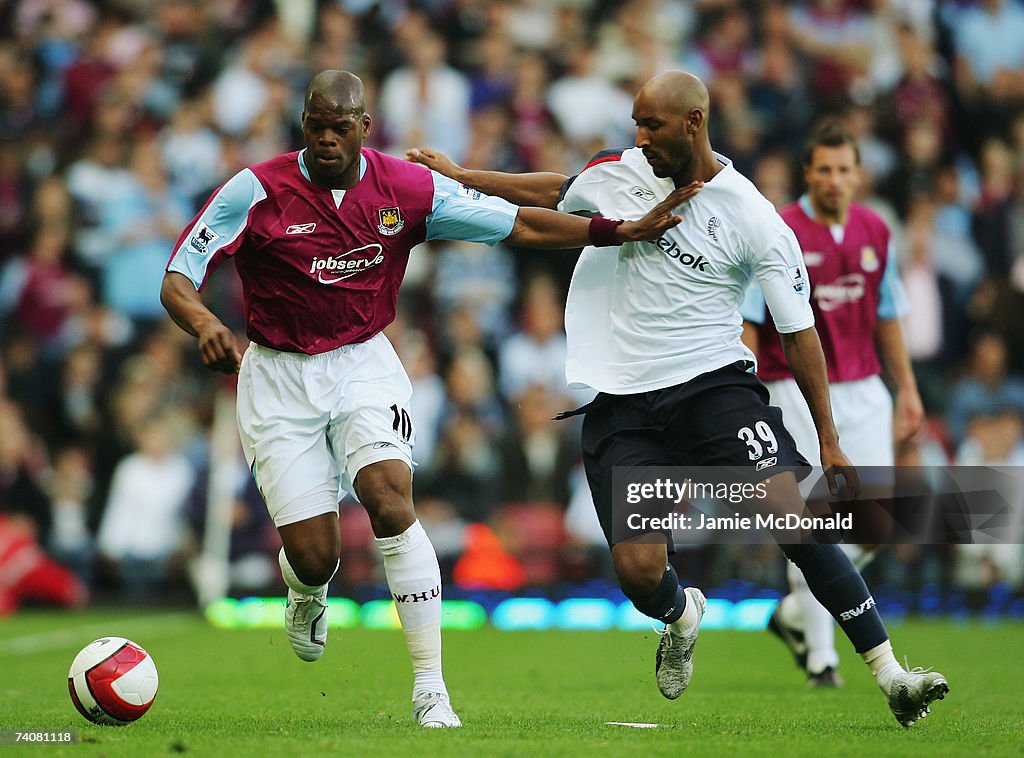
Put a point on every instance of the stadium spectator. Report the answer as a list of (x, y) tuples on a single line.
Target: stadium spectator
[(986, 388), (535, 354), (426, 100), (536, 457), (41, 292), (835, 36), (143, 523)]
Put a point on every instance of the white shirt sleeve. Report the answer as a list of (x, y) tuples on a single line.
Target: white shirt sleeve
[(779, 268), (584, 192)]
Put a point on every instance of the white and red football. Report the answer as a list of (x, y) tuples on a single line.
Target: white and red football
[(113, 681)]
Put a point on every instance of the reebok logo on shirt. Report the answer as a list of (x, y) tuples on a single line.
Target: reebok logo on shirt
[(672, 250)]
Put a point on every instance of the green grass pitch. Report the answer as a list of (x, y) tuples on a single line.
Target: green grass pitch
[(231, 693)]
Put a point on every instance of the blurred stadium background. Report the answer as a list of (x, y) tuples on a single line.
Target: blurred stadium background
[(120, 478)]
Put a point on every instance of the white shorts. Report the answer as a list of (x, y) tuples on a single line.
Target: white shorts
[(309, 423), (862, 410)]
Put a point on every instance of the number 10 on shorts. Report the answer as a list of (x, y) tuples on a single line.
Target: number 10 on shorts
[(402, 423)]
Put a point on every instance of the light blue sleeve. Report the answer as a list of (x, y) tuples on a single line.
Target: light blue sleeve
[(752, 308), (892, 299), (462, 213), (218, 226)]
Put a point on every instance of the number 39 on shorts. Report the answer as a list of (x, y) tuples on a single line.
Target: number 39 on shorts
[(759, 440)]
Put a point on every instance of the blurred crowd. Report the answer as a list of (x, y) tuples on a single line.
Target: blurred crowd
[(118, 118)]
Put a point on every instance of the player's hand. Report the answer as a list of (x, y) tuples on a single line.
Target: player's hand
[(219, 348), (836, 464), (660, 218), (433, 159), (909, 415)]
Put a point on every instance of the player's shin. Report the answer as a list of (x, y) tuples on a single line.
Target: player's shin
[(838, 586), (668, 601), (414, 579)]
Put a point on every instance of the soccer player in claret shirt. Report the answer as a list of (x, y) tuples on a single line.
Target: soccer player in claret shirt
[(858, 300), (655, 328), (320, 240)]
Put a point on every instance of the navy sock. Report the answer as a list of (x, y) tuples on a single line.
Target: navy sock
[(667, 602), (837, 585)]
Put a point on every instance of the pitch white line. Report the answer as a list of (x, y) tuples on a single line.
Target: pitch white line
[(78, 636), (636, 725)]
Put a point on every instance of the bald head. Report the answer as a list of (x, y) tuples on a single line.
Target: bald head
[(338, 90), (676, 91), (334, 125), (671, 115)]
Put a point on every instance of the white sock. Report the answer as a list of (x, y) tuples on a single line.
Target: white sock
[(294, 582), (819, 626), (883, 664), (414, 579), (685, 622), (791, 612)]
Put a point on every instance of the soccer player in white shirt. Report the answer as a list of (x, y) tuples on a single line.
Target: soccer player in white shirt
[(656, 330)]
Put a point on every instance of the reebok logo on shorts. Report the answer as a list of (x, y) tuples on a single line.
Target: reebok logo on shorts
[(378, 445)]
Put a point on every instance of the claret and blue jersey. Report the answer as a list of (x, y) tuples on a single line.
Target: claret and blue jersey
[(321, 267), (854, 284)]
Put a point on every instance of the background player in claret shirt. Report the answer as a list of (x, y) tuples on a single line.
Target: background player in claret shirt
[(656, 330), (320, 239), (858, 301)]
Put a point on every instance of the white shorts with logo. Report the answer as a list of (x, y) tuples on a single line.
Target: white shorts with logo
[(309, 423), (862, 410)]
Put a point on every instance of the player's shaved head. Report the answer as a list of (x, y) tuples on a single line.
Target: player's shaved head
[(334, 124), (342, 90), (671, 115), (676, 91)]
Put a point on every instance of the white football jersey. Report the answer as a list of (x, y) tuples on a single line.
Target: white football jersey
[(649, 315)]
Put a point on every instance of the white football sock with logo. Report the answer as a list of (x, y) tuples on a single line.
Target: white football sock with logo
[(818, 625), (414, 579)]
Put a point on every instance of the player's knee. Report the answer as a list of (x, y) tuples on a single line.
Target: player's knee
[(316, 561), (386, 494)]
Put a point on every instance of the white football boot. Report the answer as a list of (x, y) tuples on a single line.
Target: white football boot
[(673, 665), (305, 620), (912, 692), (434, 711)]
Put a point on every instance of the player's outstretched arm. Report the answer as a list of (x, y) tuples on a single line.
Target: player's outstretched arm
[(540, 189), (217, 344), (539, 227), (807, 361)]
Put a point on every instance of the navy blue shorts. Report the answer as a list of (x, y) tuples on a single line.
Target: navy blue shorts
[(721, 418)]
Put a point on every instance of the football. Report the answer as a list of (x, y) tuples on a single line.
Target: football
[(112, 681)]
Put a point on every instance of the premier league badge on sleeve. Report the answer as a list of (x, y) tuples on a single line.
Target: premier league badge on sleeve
[(200, 242), (390, 221), (796, 275)]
